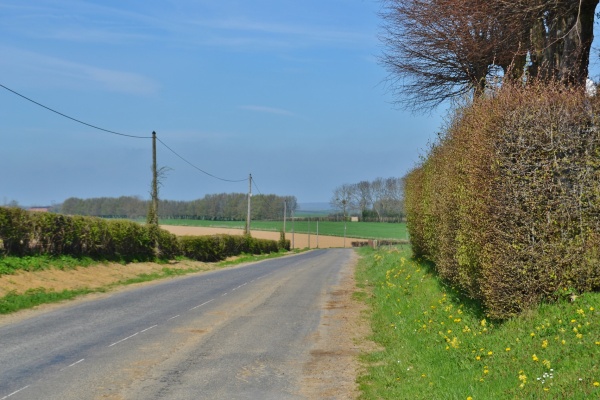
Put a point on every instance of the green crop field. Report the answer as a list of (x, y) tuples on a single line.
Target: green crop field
[(363, 230)]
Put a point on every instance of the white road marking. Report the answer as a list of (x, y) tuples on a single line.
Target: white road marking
[(200, 305), (147, 329), (173, 317), (15, 392), (75, 363), (122, 340)]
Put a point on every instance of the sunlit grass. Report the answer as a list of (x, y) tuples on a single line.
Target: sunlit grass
[(364, 230), (438, 345)]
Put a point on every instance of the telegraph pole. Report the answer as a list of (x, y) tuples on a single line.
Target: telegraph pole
[(153, 217), (249, 197), (153, 213), (308, 220), (284, 216)]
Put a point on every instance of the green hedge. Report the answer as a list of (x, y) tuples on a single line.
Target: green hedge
[(218, 247), (24, 233), (507, 204), (28, 233)]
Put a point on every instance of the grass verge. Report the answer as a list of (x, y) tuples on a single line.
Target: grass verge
[(13, 302), (10, 264), (438, 345)]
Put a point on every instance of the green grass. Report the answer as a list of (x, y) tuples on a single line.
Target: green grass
[(438, 345), (364, 230), (10, 264), (13, 302)]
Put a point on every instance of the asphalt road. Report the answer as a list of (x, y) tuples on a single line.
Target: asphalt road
[(240, 333)]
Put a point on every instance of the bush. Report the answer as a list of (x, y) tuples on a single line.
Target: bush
[(507, 203), (219, 247), (26, 233)]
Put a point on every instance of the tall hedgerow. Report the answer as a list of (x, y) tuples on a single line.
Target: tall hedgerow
[(507, 204)]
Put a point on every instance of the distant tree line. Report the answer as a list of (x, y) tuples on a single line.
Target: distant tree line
[(224, 206), (378, 200)]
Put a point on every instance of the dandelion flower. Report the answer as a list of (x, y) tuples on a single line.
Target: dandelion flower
[(534, 358)]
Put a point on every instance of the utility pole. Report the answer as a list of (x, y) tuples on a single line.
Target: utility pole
[(292, 229), (249, 197), (317, 233), (153, 212), (153, 217), (284, 216), (308, 233)]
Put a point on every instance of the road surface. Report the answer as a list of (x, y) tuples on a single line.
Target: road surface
[(241, 333)]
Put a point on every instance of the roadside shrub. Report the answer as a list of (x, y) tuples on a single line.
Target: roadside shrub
[(219, 247), (507, 204), (27, 233), (15, 231)]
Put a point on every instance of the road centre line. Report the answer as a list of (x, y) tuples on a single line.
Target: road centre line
[(200, 305), (15, 392), (174, 317), (122, 340), (75, 363), (147, 329)]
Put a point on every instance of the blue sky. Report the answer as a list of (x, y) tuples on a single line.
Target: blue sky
[(287, 90)]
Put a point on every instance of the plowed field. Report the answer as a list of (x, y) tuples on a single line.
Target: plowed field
[(300, 240)]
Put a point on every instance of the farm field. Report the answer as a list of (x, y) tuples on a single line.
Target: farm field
[(297, 240), (362, 230)]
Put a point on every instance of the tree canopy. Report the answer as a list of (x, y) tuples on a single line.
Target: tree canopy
[(437, 50)]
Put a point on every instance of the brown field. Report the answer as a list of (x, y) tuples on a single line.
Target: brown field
[(300, 240)]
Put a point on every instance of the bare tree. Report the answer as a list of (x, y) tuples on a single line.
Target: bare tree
[(343, 199), (363, 197), (437, 50)]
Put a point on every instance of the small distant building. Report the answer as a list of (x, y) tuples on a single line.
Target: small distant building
[(39, 209), (353, 219)]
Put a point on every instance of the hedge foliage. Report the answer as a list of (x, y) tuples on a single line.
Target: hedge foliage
[(24, 233), (507, 203), (218, 247)]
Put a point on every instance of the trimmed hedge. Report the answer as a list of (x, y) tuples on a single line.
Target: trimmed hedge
[(219, 247), (507, 204), (24, 233), (28, 233)]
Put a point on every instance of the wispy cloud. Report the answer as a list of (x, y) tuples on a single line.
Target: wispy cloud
[(53, 69), (268, 110)]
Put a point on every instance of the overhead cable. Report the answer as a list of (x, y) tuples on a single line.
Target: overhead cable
[(199, 169), (74, 119), (120, 134)]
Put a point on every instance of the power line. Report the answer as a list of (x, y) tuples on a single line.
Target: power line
[(74, 119), (120, 134), (257, 189), (199, 169)]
